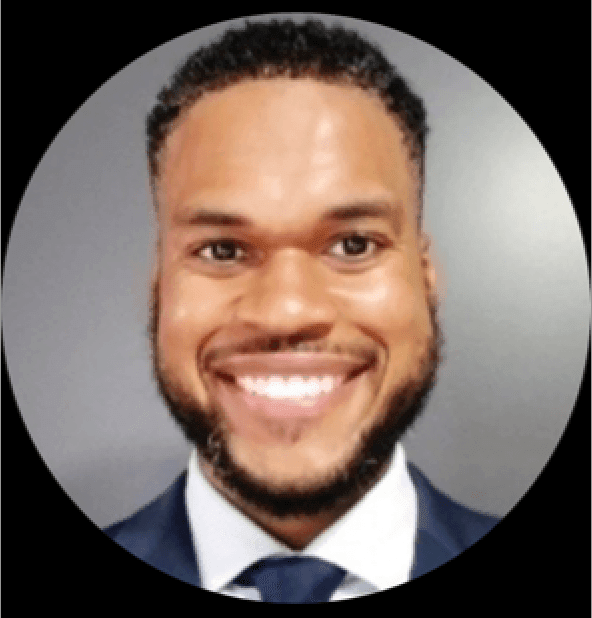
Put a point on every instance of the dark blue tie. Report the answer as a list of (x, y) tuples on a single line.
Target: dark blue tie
[(292, 580)]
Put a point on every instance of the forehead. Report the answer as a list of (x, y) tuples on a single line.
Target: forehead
[(279, 141)]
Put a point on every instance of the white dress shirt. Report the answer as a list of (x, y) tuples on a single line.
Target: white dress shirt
[(373, 541)]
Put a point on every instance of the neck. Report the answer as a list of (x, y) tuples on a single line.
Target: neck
[(296, 532)]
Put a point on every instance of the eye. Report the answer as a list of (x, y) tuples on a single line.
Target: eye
[(224, 250), (355, 246)]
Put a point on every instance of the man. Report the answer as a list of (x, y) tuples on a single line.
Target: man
[(294, 323)]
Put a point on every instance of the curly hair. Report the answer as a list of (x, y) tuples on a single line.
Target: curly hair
[(266, 50)]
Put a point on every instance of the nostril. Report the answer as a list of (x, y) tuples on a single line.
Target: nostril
[(356, 372), (225, 377)]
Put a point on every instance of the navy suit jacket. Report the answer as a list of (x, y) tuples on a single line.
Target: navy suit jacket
[(159, 533)]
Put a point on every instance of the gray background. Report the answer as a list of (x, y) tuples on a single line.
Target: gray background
[(515, 308)]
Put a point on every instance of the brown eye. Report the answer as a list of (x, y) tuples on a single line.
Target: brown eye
[(219, 251), (354, 245)]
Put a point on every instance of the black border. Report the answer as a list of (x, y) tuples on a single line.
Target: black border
[(541, 65)]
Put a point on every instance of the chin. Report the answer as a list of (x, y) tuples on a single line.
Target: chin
[(303, 460)]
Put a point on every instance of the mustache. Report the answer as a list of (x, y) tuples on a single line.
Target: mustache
[(262, 344)]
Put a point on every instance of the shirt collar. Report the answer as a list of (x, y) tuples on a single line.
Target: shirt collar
[(374, 540)]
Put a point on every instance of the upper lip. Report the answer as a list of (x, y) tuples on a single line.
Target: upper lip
[(285, 364)]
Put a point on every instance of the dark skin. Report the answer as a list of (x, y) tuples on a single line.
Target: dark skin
[(282, 153)]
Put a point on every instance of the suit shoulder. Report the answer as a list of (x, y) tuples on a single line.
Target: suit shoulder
[(442, 514), (138, 532)]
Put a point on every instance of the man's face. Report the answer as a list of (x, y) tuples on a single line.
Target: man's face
[(292, 292)]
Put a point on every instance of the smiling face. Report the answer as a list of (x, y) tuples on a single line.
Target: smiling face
[(316, 270)]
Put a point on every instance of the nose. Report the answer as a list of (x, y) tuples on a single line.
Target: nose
[(288, 297)]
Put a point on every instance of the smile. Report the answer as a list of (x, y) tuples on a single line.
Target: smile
[(273, 398), (289, 387), (286, 393)]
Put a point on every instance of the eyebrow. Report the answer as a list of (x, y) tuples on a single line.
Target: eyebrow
[(390, 212)]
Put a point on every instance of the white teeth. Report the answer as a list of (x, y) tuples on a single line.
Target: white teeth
[(279, 387)]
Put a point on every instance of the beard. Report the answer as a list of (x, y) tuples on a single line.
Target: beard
[(206, 429)]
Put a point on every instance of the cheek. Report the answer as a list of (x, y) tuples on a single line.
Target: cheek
[(387, 304), (186, 316), (393, 311)]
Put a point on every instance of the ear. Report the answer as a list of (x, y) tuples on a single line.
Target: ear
[(430, 267), (156, 258)]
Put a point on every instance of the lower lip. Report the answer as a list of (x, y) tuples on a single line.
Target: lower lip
[(236, 398)]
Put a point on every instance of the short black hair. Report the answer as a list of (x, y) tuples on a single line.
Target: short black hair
[(284, 48)]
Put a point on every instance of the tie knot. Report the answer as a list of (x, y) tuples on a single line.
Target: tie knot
[(293, 579)]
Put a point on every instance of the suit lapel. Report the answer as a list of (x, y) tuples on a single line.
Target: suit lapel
[(172, 551), (433, 543)]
